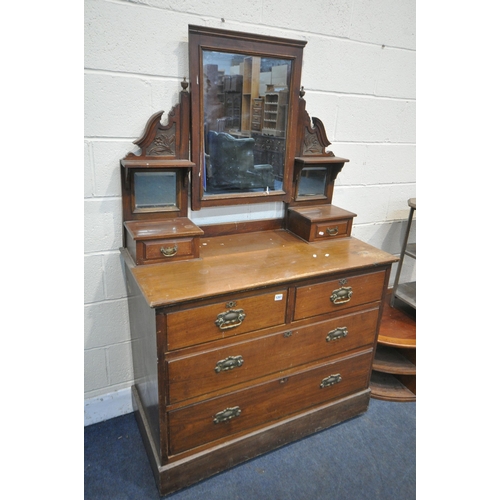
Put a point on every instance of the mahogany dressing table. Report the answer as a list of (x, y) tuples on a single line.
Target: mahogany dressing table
[(246, 336)]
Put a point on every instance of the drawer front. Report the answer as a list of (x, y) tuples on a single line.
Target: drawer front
[(225, 319), (338, 294), (168, 249), (243, 410), (333, 229), (221, 368)]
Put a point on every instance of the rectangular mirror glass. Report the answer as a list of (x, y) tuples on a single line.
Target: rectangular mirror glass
[(155, 191), (244, 97), (312, 182), (245, 107)]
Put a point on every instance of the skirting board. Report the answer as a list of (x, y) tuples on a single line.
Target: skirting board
[(108, 406)]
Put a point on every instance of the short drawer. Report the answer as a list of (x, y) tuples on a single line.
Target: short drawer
[(194, 375), (221, 417), (335, 229), (168, 250), (320, 222), (338, 294), (158, 241), (225, 319)]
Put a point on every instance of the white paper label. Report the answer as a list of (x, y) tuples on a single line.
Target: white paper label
[(278, 296)]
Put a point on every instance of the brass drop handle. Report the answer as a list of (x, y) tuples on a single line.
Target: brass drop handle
[(169, 251), (331, 380), (227, 414), (228, 364), (332, 231), (230, 319), (341, 295), (337, 334)]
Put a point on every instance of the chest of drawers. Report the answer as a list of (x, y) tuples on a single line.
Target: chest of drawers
[(261, 341)]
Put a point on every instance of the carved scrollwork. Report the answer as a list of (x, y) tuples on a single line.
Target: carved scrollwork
[(311, 144), (163, 144), (315, 139)]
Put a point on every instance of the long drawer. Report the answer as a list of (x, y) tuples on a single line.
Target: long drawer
[(338, 294), (205, 323), (221, 417), (222, 367)]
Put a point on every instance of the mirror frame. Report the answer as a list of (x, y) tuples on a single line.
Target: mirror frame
[(204, 38)]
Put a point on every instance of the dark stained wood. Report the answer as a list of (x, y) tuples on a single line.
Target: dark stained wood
[(398, 327), (153, 230), (313, 300), (185, 472), (283, 285), (244, 324), (252, 44), (146, 239), (242, 227), (232, 264), (193, 426), (192, 375), (314, 223), (391, 360), (310, 150), (144, 355), (394, 366), (389, 388), (198, 324), (164, 147)]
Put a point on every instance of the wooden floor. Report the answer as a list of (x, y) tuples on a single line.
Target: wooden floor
[(394, 369)]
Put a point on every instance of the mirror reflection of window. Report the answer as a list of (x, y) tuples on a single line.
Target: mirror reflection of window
[(312, 181), (155, 190), (245, 109)]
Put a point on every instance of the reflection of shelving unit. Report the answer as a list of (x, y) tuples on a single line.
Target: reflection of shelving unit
[(232, 85), (257, 108), (394, 367), (251, 76), (275, 108)]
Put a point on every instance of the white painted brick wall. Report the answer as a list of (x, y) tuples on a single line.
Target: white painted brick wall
[(359, 77)]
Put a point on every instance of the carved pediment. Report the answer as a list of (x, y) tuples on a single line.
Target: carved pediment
[(163, 144), (158, 139), (170, 141), (313, 140)]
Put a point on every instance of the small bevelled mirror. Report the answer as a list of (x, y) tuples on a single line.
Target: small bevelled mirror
[(155, 191), (244, 91), (312, 182)]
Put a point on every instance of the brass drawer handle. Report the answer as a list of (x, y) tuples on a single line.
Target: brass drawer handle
[(341, 295), (230, 319), (227, 414), (331, 380), (228, 364), (169, 251), (332, 231), (336, 334)]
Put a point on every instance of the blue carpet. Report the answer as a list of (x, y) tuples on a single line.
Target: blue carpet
[(369, 457)]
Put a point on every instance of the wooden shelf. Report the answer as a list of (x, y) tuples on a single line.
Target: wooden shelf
[(389, 388), (391, 360), (394, 367), (398, 327)]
